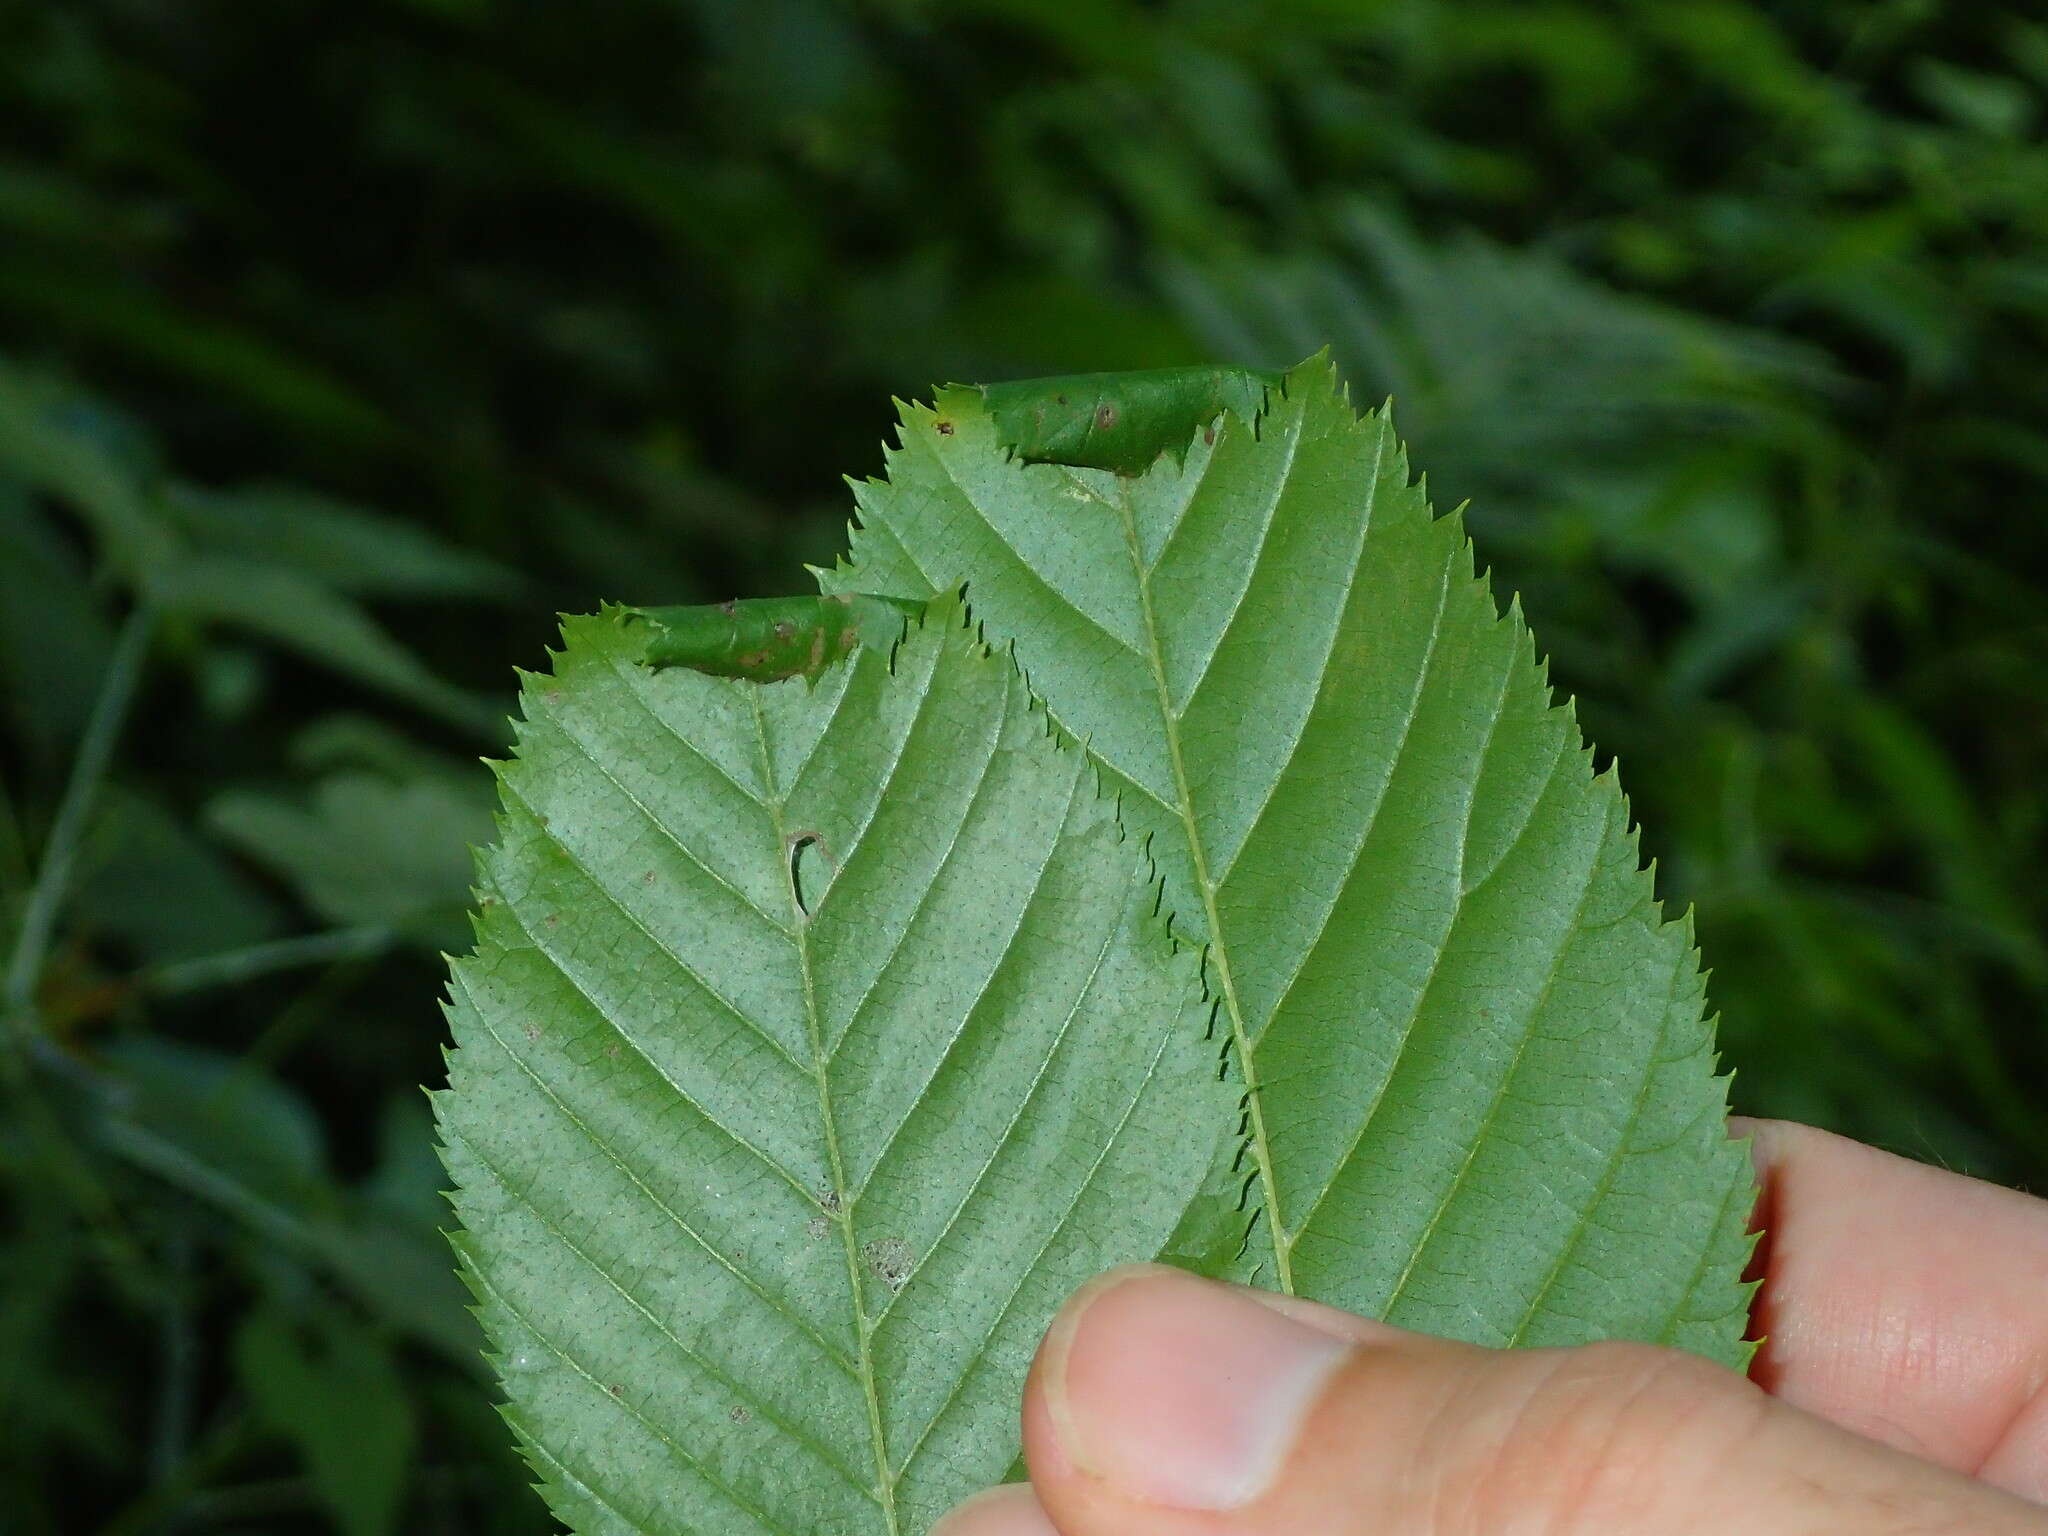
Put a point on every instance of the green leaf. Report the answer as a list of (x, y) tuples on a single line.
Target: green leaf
[(220, 1128), (223, 1129), (1481, 1092), (330, 542), (152, 881), (338, 1398), (55, 640), (321, 624), (367, 852), (819, 1039), (56, 441)]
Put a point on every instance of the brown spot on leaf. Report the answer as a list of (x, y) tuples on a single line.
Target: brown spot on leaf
[(847, 638), (1209, 434), (739, 1415), (817, 1229), (829, 1199), (945, 428), (1105, 416), (784, 629), (613, 1389)]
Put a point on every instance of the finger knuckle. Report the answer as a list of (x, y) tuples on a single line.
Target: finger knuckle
[(1596, 1438)]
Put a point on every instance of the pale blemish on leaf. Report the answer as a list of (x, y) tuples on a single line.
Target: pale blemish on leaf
[(890, 1259)]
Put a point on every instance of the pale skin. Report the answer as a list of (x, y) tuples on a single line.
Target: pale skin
[(1902, 1390)]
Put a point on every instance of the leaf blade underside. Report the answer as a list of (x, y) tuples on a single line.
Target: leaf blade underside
[(1481, 1098), (817, 1042)]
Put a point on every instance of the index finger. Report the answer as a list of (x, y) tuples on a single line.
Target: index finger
[(1906, 1303)]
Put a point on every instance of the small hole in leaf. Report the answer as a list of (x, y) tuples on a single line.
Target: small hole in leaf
[(807, 875)]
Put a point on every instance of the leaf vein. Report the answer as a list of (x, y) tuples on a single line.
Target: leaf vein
[(1610, 1169), (634, 677), (1009, 1130), (967, 1020), (711, 1249), (1504, 1092), (917, 910), (1323, 672), (709, 1367), (696, 1464), (665, 830), (1422, 992), (1266, 524), (1066, 1216), (1038, 577), (613, 899)]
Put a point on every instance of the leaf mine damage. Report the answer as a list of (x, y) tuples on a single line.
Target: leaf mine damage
[(766, 639)]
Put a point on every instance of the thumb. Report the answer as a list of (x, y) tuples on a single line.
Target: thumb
[(1163, 1405)]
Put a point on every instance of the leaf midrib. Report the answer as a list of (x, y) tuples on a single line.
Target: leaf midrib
[(885, 1479), (1240, 1035)]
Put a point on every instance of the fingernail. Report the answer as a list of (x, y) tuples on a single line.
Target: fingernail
[(1011, 1510), (1181, 1392)]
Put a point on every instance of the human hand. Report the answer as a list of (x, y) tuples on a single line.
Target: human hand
[(1902, 1388)]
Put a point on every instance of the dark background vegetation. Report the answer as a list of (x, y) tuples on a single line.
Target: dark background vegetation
[(341, 346)]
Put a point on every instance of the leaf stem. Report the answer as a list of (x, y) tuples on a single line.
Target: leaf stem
[(178, 1363), (1240, 1034), (14, 865), (235, 966), (68, 1164), (60, 849)]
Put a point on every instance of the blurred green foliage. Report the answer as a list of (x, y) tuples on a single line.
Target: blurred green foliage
[(340, 348)]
